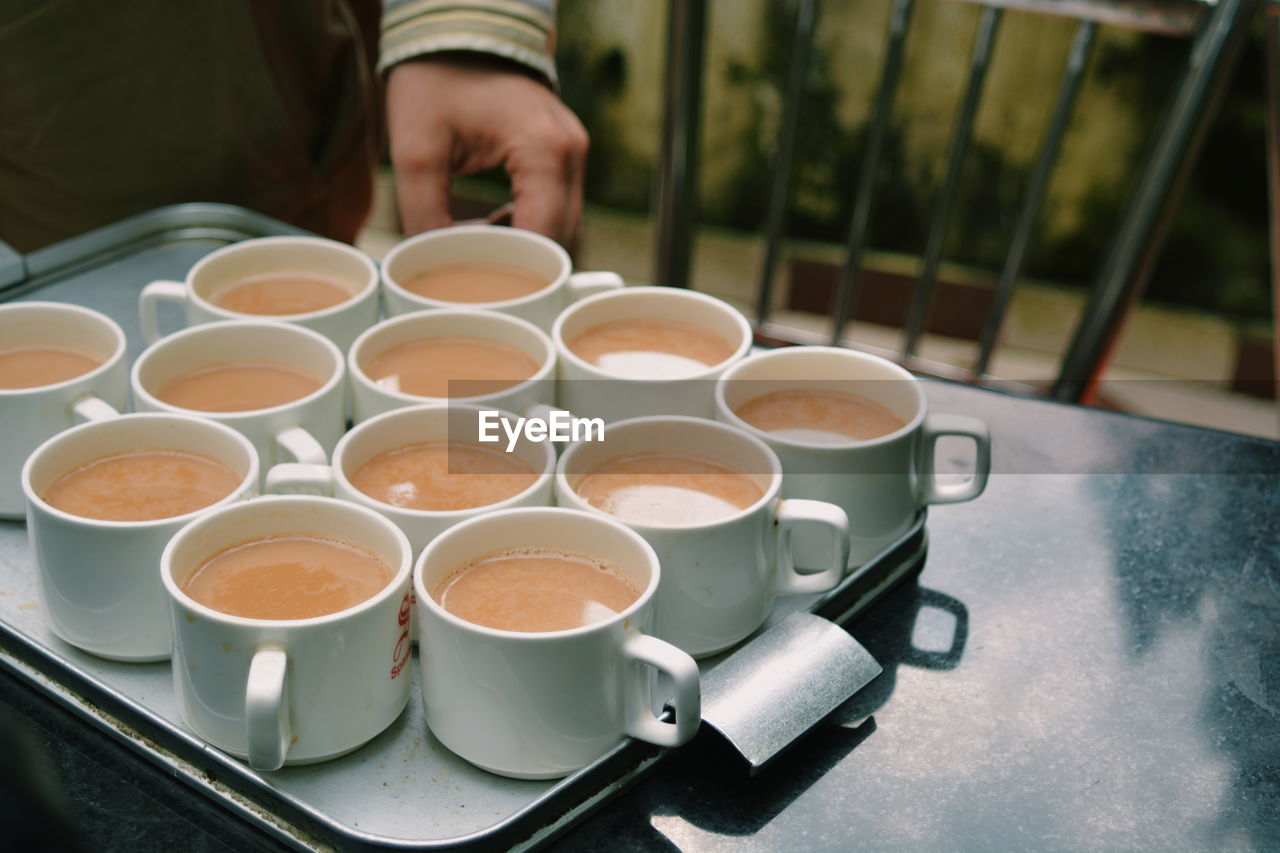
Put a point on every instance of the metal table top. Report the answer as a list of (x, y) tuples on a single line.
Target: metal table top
[(1118, 590), (1091, 660)]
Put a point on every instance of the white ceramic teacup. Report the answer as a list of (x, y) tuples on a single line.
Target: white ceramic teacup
[(534, 393), (99, 580), (30, 415), (463, 244), (304, 430), (719, 578), (345, 265), (882, 483), (290, 691), (593, 392), (541, 705), (413, 425)]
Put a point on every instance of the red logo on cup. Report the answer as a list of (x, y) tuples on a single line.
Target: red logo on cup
[(400, 656)]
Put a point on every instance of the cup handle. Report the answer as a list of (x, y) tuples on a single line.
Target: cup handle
[(297, 478), (937, 426), (300, 446), (266, 709), (792, 512), (90, 408), (640, 720), (583, 284), (148, 303)]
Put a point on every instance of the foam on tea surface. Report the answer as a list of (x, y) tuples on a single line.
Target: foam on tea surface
[(443, 475), (668, 488), (288, 577), (535, 589), (426, 366), (651, 348), (142, 485)]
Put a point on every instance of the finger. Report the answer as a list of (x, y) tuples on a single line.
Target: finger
[(546, 178), (423, 169), (540, 194), (573, 216), (577, 143)]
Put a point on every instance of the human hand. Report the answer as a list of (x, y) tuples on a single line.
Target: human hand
[(459, 113)]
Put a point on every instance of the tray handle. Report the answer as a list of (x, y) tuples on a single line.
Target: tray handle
[(775, 688)]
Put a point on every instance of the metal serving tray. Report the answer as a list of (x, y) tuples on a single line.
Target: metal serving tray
[(403, 790)]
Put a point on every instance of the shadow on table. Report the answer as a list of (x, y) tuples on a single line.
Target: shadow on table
[(708, 785), (889, 632)]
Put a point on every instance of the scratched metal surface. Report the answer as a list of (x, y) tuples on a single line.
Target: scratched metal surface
[(1118, 589)]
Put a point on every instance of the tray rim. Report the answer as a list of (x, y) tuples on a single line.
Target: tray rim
[(191, 220)]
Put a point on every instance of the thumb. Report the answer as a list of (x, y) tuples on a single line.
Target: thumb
[(423, 172)]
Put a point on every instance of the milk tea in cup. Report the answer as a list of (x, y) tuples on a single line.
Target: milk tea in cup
[(507, 270), (103, 499), (296, 576), (651, 348), (142, 485), (705, 496), (238, 387), (644, 351), (660, 487), (291, 627), (35, 365), (312, 282), (443, 476), (281, 293), (852, 429), (475, 282), (60, 364), (819, 415), (536, 658), (426, 367), (535, 589)]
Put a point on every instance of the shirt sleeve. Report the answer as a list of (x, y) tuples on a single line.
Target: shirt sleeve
[(519, 30)]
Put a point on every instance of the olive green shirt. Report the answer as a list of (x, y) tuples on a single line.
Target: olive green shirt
[(111, 108)]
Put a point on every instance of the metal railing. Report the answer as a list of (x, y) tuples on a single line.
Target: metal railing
[(1272, 26), (1215, 33)]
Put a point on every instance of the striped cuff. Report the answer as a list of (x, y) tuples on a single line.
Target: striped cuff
[(519, 30)]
